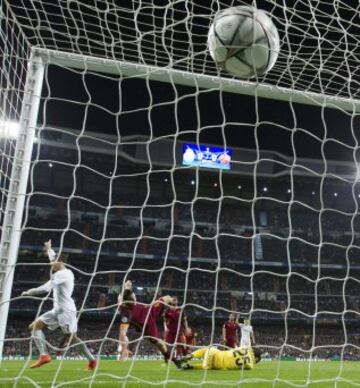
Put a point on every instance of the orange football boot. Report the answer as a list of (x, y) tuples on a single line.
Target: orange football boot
[(43, 359), (91, 365)]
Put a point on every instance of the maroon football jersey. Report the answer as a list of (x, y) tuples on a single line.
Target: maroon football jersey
[(231, 329), (172, 318), (136, 314)]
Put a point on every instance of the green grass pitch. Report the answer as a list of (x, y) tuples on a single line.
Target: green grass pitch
[(156, 374)]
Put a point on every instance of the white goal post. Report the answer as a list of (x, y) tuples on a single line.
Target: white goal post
[(201, 81), (16, 195)]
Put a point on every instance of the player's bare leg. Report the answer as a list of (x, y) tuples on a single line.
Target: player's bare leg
[(37, 328)]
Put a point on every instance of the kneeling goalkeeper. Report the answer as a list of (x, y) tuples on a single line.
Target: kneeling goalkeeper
[(213, 358)]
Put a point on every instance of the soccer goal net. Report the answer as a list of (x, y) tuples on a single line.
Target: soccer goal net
[(123, 144)]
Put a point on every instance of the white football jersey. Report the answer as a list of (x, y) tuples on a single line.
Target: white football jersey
[(62, 284), (246, 331)]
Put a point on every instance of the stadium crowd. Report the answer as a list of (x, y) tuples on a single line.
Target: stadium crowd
[(272, 259)]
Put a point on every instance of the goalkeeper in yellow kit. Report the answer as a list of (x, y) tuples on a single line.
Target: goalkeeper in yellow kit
[(213, 358)]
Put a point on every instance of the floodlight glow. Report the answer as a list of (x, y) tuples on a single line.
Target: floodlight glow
[(9, 129)]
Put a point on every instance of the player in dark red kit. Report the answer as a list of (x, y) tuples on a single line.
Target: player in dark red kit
[(230, 332), (143, 318), (175, 325), (190, 339)]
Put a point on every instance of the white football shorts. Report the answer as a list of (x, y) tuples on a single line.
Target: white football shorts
[(66, 320), (245, 344)]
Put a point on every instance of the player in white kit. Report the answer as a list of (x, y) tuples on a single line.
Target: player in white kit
[(247, 334), (62, 315)]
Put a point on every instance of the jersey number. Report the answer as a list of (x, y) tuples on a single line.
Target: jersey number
[(241, 357)]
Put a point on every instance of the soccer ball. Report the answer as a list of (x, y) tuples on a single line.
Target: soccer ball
[(244, 41)]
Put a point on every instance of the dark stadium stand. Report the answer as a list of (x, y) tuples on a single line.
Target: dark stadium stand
[(292, 268)]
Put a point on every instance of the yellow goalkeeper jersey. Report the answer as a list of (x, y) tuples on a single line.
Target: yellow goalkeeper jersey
[(233, 359)]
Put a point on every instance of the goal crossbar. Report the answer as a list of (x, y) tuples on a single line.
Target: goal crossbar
[(200, 81)]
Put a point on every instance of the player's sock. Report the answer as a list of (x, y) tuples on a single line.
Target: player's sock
[(62, 346), (84, 350), (40, 342), (167, 356)]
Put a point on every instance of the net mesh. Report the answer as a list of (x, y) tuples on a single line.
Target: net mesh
[(319, 42), (275, 239), (13, 53)]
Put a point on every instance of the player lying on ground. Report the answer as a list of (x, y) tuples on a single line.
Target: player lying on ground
[(213, 358), (143, 318), (62, 315)]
